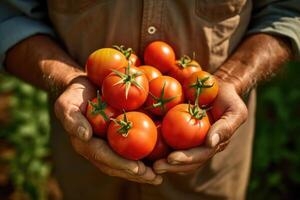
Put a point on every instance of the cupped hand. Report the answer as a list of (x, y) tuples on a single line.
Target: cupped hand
[(69, 109), (229, 112)]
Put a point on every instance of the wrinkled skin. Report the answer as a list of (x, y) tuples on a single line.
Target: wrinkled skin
[(230, 112), (69, 109)]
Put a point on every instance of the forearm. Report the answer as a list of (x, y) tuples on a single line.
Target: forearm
[(41, 62), (258, 57)]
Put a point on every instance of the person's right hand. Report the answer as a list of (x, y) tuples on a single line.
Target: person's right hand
[(69, 109)]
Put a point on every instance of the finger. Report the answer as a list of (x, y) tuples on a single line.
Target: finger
[(223, 129), (147, 178), (222, 146), (162, 166), (73, 121), (191, 156), (97, 150)]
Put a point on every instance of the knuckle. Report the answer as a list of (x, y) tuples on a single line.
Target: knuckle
[(77, 147), (97, 151), (58, 107)]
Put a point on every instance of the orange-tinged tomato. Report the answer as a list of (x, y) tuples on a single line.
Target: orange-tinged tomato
[(150, 72), (101, 62), (165, 92), (183, 127), (205, 84), (132, 135)]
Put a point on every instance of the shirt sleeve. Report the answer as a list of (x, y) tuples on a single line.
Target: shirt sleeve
[(277, 17), (21, 19)]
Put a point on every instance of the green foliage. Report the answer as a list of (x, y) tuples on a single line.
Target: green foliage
[(28, 132), (276, 156)]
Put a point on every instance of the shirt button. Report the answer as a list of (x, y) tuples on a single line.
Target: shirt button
[(151, 30)]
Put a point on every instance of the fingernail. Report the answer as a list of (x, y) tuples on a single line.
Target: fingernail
[(215, 140), (161, 171), (174, 162), (158, 180), (81, 132)]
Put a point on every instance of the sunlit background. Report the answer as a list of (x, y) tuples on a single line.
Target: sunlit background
[(25, 157)]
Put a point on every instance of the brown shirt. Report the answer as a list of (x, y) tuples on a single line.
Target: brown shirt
[(210, 28)]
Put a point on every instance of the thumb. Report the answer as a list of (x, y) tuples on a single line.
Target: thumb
[(224, 128), (75, 123)]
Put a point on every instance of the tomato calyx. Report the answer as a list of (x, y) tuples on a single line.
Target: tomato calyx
[(99, 107), (185, 61), (126, 52), (200, 83), (196, 112), (124, 124), (161, 101), (128, 79)]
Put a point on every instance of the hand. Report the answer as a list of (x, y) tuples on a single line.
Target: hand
[(68, 109), (230, 112)]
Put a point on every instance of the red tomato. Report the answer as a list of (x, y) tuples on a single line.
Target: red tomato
[(98, 114), (150, 72), (165, 92), (101, 62), (185, 126), (133, 135), (126, 88), (160, 55), (161, 149), (134, 60), (129, 54), (184, 68), (205, 83)]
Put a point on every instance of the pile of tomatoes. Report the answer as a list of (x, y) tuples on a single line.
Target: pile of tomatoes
[(146, 111)]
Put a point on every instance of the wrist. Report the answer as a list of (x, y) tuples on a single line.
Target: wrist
[(58, 75), (224, 74)]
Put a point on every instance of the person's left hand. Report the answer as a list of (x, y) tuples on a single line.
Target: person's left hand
[(230, 113)]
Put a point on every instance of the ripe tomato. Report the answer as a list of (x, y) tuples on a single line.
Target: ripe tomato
[(165, 92), (150, 72), (205, 84), (98, 114), (161, 149), (132, 135), (100, 63), (160, 55), (126, 88), (129, 54), (134, 60), (185, 126), (184, 68)]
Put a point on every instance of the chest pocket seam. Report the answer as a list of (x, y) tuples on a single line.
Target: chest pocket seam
[(218, 10)]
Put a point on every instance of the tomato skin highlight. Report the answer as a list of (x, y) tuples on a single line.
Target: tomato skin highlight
[(160, 55), (181, 73), (161, 149), (134, 60), (140, 140), (115, 94), (150, 72), (181, 130), (100, 63), (172, 89), (207, 95), (98, 122)]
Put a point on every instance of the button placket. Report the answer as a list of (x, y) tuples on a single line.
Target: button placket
[(151, 22)]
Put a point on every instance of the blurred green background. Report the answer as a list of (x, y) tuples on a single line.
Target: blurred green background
[(25, 170)]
